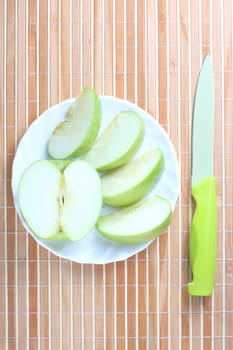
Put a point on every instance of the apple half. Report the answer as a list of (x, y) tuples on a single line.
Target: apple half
[(137, 223), (78, 131), (60, 200), (118, 142), (132, 181)]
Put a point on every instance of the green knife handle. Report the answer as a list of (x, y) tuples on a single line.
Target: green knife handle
[(203, 238)]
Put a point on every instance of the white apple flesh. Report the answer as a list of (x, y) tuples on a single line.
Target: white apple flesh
[(132, 181), (78, 131), (137, 223), (118, 143), (60, 200)]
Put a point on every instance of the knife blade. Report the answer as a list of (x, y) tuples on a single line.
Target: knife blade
[(203, 233)]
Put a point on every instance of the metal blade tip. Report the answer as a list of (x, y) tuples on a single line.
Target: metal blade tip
[(207, 60)]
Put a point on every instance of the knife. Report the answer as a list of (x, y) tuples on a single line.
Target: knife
[(203, 233)]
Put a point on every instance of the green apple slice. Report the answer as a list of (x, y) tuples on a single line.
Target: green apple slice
[(118, 143), (78, 131), (137, 223), (132, 181), (38, 193), (60, 201)]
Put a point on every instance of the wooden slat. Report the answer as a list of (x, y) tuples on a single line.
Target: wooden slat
[(150, 53)]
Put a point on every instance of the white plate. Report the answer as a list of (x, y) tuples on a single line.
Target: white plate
[(33, 146)]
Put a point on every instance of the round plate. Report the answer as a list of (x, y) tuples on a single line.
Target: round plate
[(33, 146)]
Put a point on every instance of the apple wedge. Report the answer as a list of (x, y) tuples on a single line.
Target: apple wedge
[(132, 181), (118, 143), (60, 200), (78, 131), (137, 223)]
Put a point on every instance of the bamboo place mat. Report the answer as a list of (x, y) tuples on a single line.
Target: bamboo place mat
[(150, 53)]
